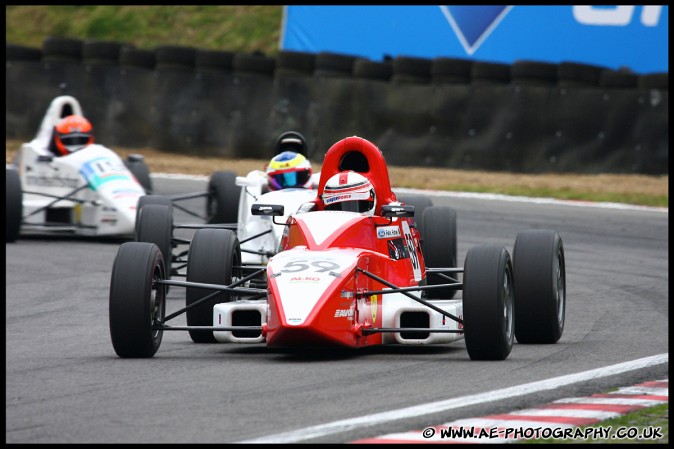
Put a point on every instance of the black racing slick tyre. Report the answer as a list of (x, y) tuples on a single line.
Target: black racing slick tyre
[(488, 303), (438, 243), (155, 225), (139, 169), (222, 205), (213, 257), (13, 205), (420, 204), (540, 286), (137, 301), (152, 199)]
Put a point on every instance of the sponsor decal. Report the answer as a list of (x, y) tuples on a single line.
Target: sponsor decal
[(337, 198), (397, 249), (304, 279), (127, 191), (347, 294), (344, 313), (103, 170), (373, 307), (474, 24), (52, 181), (409, 240), (386, 232)]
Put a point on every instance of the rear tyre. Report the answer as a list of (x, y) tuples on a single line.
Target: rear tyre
[(438, 242), (223, 198), (13, 205), (540, 286), (137, 302), (420, 204), (155, 225), (152, 199), (139, 169), (213, 256), (488, 303)]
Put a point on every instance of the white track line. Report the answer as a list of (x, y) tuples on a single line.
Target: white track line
[(345, 425)]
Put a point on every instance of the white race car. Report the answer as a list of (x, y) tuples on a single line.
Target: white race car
[(88, 192), (230, 198), (260, 238)]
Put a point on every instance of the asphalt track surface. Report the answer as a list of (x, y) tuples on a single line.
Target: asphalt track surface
[(65, 384)]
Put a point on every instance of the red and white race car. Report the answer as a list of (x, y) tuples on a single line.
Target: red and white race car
[(347, 279)]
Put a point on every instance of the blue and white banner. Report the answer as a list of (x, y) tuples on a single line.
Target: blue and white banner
[(614, 36)]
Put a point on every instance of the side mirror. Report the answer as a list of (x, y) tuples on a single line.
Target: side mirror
[(397, 211), (272, 210)]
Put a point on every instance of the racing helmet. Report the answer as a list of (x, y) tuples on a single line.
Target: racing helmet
[(289, 170), (349, 191), (291, 141), (72, 133)]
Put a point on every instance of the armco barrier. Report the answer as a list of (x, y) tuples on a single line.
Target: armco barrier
[(529, 117)]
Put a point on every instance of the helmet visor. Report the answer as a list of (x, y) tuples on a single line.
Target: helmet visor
[(74, 142), (352, 206), (291, 179)]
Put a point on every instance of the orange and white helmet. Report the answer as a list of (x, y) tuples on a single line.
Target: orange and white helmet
[(72, 133), (349, 191)]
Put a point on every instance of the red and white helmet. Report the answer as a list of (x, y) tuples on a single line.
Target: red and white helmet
[(349, 191)]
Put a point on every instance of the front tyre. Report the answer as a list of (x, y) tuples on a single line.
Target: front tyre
[(137, 301), (213, 257), (488, 303), (540, 286)]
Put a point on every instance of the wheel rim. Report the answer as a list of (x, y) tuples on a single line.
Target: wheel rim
[(508, 303), (157, 302), (560, 291)]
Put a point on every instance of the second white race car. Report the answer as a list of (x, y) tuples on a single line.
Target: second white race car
[(90, 192)]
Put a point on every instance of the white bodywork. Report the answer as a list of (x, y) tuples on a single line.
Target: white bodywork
[(106, 205), (250, 225)]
